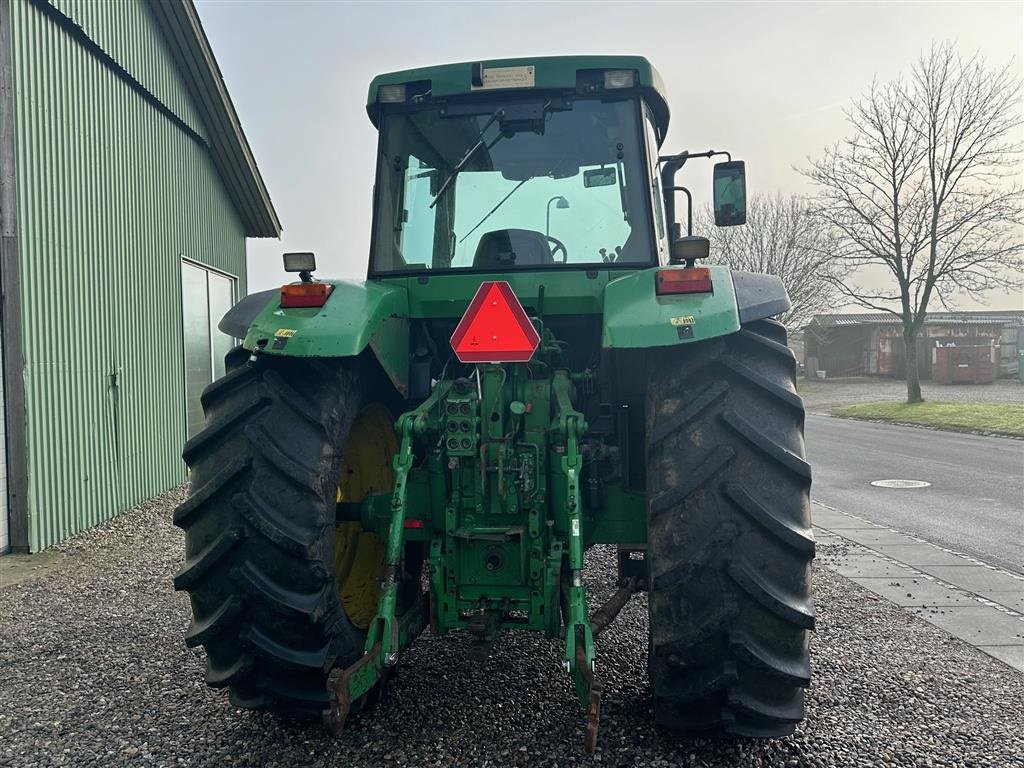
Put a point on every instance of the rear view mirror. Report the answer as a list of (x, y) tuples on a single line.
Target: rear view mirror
[(520, 170), (730, 190), (599, 177)]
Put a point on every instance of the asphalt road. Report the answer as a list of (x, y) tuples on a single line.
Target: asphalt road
[(975, 503)]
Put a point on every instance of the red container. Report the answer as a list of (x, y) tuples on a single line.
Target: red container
[(976, 363)]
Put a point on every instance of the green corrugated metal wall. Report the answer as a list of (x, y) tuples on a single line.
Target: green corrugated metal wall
[(125, 30), (111, 194)]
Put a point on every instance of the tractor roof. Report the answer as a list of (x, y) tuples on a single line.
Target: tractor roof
[(548, 72)]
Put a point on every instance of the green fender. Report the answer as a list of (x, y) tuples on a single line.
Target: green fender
[(635, 317), (356, 316), (362, 314)]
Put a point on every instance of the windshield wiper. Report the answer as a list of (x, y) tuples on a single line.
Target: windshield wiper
[(500, 203), (480, 141)]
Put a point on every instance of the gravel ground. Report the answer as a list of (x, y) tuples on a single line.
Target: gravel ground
[(94, 672), (822, 396)]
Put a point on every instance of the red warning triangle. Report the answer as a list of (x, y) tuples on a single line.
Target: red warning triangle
[(495, 328)]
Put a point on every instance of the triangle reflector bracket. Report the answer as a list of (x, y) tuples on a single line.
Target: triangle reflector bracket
[(495, 328)]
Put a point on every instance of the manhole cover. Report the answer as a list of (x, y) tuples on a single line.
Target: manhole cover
[(900, 483)]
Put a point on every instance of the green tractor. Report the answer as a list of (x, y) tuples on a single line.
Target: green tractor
[(535, 364)]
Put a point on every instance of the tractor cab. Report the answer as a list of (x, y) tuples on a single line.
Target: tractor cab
[(528, 166)]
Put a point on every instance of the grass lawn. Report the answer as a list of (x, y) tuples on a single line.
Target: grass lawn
[(963, 417)]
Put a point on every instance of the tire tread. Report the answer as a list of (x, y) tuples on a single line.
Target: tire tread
[(259, 522), (729, 536)]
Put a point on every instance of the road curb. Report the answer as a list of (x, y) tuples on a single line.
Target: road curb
[(954, 430)]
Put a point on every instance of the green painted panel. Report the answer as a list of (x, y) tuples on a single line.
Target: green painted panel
[(111, 195), (341, 328), (566, 291), (635, 317), (374, 312)]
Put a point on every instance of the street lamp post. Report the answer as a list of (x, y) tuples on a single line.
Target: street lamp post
[(560, 202)]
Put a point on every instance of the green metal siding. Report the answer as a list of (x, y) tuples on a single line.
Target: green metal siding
[(125, 30), (111, 195)]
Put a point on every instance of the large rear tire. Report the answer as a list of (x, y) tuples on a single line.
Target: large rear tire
[(729, 538), (260, 531)]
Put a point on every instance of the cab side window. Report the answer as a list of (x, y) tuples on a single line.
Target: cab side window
[(657, 199)]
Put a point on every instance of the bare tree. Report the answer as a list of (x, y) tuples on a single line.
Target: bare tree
[(923, 188), (782, 238)]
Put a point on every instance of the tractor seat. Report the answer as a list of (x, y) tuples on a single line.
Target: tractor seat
[(504, 248)]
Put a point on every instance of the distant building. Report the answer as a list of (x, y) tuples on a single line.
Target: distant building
[(796, 343), (953, 347), (127, 190)]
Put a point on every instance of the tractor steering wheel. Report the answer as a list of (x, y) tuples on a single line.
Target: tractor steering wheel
[(559, 246)]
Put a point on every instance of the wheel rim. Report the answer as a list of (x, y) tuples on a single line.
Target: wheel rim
[(359, 554)]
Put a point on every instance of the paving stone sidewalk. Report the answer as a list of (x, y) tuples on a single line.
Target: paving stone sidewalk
[(972, 600)]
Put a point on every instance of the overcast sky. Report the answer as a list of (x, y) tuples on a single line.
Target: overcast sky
[(766, 81)]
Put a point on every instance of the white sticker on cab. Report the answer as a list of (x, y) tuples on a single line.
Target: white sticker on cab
[(505, 77)]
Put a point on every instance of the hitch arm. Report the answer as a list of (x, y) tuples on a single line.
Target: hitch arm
[(387, 634), (345, 686), (382, 628), (579, 637), (578, 634)]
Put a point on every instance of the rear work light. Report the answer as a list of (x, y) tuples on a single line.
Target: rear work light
[(296, 295), (619, 78), (391, 94), (688, 280)]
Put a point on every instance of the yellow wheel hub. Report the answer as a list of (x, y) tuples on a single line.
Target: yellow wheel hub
[(359, 554)]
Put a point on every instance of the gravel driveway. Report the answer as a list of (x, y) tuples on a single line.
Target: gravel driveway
[(94, 672)]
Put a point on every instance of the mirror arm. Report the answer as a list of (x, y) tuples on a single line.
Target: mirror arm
[(684, 156), (668, 184), (671, 164), (689, 208)]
